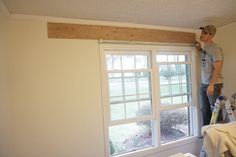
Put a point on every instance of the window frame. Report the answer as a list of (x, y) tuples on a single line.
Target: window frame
[(156, 105)]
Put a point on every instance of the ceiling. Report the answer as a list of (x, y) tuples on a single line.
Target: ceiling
[(173, 13)]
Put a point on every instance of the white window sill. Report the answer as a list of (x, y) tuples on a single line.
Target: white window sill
[(149, 151)]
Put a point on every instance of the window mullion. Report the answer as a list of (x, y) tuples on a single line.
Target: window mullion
[(137, 90), (123, 92), (180, 79), (156, 98), (169, 83)]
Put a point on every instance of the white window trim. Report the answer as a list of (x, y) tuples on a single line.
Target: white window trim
[(157, 109)]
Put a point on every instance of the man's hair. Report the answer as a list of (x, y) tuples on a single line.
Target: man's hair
[(211, 29)]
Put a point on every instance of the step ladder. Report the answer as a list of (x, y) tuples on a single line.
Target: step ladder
[(229, 105)]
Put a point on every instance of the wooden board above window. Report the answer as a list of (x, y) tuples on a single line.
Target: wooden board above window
[(81, 31)]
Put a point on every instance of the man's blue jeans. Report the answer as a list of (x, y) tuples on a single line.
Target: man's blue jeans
[(208, 102)]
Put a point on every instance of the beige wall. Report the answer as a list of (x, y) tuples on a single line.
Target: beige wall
[(226, 37), (55, 95), (4, 108)]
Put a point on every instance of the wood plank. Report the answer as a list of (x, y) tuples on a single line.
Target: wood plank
[(79, 31)]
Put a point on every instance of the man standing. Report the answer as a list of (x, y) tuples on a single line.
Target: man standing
[(212, 80)]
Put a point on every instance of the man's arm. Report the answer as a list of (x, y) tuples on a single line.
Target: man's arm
[(216, 72), (198, 46)]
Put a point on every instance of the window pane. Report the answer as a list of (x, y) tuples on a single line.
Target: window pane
[(138, 108), (117, 111), (187, 98), (185, 69), (188, 69), (175, 89), (115, 85), (163, 80), (165, 74), (129, 137), (183, 58), (186, 78), (186, 88), (178, 69), (141, 61), (172, 58), (165, 90), (173, 69), (174, 124), (131, 109), (177, 100), (174, 73), (166, 101), (175, 79), (144, 83), (113, 62), (130, 85), (128, 62), (145, 108), (137, 87), (161, 58)]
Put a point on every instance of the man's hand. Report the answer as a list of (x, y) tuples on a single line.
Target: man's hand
[(210, 90), (198, 46)]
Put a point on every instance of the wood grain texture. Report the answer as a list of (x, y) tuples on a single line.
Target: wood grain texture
[(79, 31)]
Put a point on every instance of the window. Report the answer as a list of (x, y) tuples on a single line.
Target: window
[(175, 90), (148, 96)]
